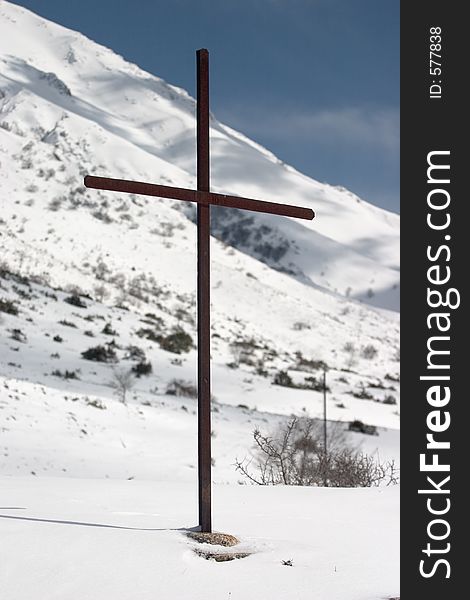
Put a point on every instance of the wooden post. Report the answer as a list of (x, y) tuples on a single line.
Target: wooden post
[(203, 295)]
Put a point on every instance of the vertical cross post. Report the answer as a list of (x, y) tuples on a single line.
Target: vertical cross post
[(203, 295)]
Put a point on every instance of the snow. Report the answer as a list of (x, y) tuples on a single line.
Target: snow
[(92, 539), (96, 494)]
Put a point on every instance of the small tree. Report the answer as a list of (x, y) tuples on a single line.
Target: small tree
[(350, 350), (123, 380), (101, 292), (237, 351)]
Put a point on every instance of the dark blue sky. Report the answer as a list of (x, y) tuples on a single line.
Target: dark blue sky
[(315, 81)]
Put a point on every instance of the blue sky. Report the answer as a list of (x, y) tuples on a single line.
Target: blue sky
[(315, 81)]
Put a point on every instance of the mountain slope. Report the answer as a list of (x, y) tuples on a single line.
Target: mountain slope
[(104, 115), (284, 293)]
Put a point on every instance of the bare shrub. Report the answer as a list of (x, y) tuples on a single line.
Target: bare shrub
[(296, 455), (243, 351), (177, 342), (360, 427), (300, 326), (143, 367), (8, 306), (179, 387), (56, 203), (369, 352), (4, 267), (123, 381), (18, 336), (101, 292), (134, 353), (66, 374), (75, 300), (108, 330), (305, 364), (350, 349), (100, 353), (101, 270), (283, 379)]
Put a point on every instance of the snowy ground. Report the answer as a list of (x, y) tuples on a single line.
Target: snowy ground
[(76, 539), (108, 490), (96, 494)]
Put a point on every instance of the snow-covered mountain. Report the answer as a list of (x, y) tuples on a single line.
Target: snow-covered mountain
[(69, 106), (287, 295)]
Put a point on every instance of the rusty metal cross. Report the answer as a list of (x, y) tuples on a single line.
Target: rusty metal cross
[(204, 198)]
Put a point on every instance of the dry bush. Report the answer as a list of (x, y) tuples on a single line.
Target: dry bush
[(179, 387), (101, 292), (296, 455), (123, 381)]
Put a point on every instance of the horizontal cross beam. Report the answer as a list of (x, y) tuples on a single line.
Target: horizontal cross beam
[(205, 198)]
